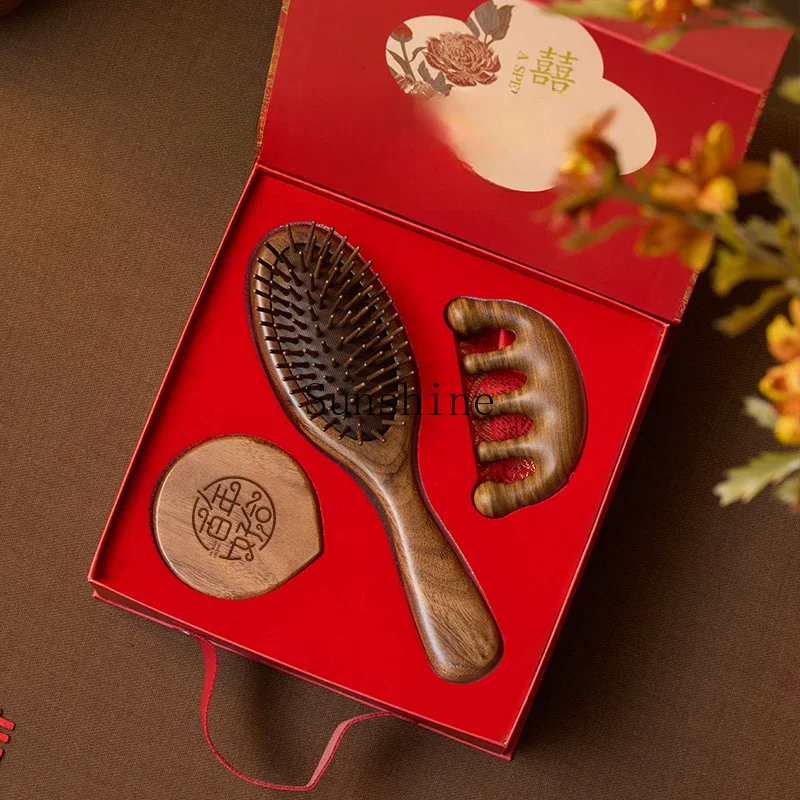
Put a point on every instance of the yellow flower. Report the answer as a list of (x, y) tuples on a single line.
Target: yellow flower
[(787, 427), (707, 183), (665, 12), (666, 233), (783, 336), (782, 382), (590, 172)]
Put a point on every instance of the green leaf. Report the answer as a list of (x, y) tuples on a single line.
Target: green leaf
[(789, 491), (761, 410), (742, 484), (476, 31), (789, 89), (402, 62), (488, 17), (606, 9), (784, 185), (505, 21), (757, 22), (763, 232), (731, 269), (664, 41), (580, 238), (742, 318)]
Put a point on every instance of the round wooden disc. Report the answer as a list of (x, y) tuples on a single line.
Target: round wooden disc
[(235, 517)]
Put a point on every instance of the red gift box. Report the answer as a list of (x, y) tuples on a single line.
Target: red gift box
[(352, 140)]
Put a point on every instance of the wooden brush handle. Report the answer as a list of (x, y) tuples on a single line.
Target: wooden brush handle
[(455, 625)]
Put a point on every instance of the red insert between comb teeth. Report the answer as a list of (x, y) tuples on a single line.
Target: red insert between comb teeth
[(507, 426)]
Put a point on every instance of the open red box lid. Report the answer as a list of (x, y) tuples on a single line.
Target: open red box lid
[(350, 110)]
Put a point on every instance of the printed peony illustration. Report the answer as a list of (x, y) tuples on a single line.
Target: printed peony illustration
[(464, 60)]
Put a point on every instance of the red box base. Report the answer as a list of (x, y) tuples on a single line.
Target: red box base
[(343, 622)]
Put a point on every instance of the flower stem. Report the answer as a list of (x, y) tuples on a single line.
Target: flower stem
[(702, 222)]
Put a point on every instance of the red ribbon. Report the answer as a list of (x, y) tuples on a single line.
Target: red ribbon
[(210, 660)]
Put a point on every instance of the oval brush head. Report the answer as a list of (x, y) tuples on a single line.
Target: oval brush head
[(333, 332), (341, 364)]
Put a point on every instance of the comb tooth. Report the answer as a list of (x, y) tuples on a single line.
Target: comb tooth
[(310, 306), (364, 290), (332, 267), (292, 245), (285, 290), (394, 422), (376, 314), (285, 302), (290, 276), (343, 321), (344, 430), (358, 316), (308, 249), (340, 270), (333, 261), (360, 432), (275, 267), (285, 287), (295, 365), (348, 262), (280, 326), (322, 253), (374, 358), (401, 377), (356, 275), (362, 329), (349, 338), (379, 358), (329, 424), (361, 348), (337, 253), (376, 435), (378, 373), (280, 312), (347, 307)]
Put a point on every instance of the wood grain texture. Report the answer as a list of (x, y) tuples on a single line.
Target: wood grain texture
[(553, 397), (236, 517), (456, 627)]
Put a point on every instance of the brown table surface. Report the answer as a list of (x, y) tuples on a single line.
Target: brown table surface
[(126, 135)]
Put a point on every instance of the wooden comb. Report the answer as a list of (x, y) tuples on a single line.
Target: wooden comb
[(553, 398), (341, 365)]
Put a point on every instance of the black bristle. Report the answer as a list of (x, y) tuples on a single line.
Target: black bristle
[(327, 296)]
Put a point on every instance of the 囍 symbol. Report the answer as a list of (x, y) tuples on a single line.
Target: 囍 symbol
[(233, 518)]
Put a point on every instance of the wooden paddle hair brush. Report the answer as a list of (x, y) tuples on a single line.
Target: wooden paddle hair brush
[(553, 398), (340, 362)]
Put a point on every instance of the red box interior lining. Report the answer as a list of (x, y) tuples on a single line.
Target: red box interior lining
[(344, 621)]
